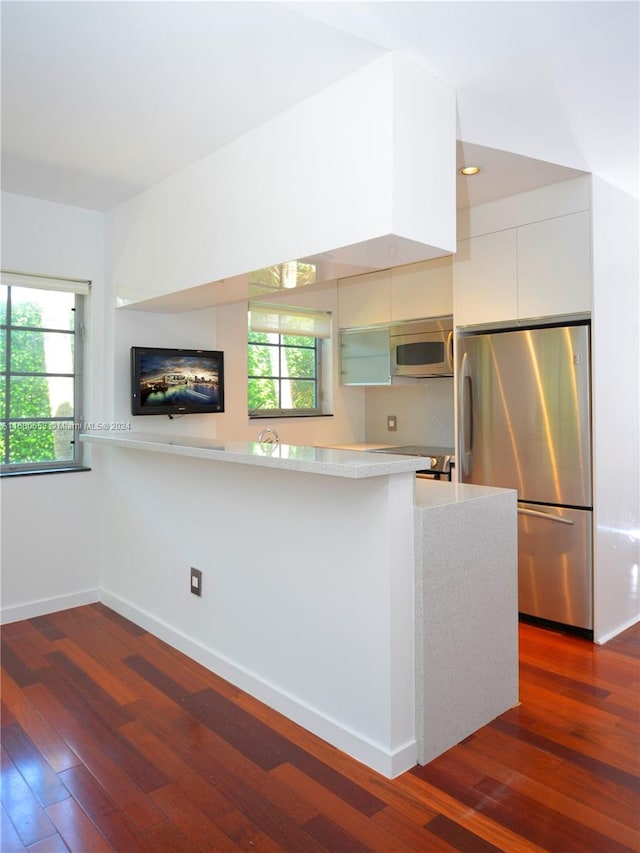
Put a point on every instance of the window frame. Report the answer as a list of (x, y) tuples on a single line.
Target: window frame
[(79, 289), (316, 411)]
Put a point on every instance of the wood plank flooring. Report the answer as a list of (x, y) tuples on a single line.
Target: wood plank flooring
[(113, 741)]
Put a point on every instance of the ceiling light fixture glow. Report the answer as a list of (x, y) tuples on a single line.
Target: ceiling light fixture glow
[(469, 170)]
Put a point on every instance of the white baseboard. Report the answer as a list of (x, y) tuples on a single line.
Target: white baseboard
[(48, 605), (604, 638), (389, 764)]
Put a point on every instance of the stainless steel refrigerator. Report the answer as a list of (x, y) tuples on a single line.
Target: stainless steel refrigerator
[(524, 417)]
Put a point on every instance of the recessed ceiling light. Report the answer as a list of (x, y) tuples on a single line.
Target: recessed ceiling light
[(469, 170)]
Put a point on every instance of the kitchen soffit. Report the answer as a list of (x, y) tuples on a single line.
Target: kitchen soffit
[(503, 174)]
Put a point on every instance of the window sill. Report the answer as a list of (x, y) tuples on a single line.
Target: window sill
[(287, 415), (37, 471)]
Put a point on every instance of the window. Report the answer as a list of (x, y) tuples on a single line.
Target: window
[(40, 372), (285, 357)]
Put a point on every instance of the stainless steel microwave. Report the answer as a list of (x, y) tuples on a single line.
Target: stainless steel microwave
[(422, 348)]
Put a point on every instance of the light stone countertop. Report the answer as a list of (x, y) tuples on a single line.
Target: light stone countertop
[(312, 460), (332, 462), (432, 493)]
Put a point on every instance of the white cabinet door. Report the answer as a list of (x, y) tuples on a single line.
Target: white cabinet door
[(364, 300), (554, 266), (424, 289), (485, 279)]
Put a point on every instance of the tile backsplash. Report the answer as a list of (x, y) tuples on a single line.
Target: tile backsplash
[(424, 413)]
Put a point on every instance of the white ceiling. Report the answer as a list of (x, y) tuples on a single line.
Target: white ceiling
[(103, 99)]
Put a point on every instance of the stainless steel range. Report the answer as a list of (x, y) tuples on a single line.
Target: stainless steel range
[(438, 460)]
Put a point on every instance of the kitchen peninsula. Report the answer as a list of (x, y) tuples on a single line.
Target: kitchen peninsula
[(375, 610)]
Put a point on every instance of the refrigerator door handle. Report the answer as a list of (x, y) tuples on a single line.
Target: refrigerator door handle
[(466, 415), (545, 515)]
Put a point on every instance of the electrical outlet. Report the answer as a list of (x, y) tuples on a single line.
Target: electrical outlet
[(196, 581), (392, 423)]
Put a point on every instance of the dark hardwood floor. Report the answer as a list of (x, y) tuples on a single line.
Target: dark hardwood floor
[(111, 740)]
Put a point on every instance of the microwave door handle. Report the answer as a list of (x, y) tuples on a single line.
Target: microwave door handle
[(450, 351), (466, 415)]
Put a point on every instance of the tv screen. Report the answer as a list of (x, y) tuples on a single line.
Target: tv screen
[(176, 381)]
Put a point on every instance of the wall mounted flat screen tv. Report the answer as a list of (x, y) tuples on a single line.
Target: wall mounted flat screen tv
[(176, 381)]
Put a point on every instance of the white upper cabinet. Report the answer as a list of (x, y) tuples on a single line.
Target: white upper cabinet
[(485, 275), (424, 289), (554, 266), (525, 256), (408, 292), (364, 300)]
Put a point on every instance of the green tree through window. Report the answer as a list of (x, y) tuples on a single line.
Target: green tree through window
[(283, 373)]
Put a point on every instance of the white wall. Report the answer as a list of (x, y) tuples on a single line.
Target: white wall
[(50, 522), (193, 329), (616, 403), (49, 533)]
